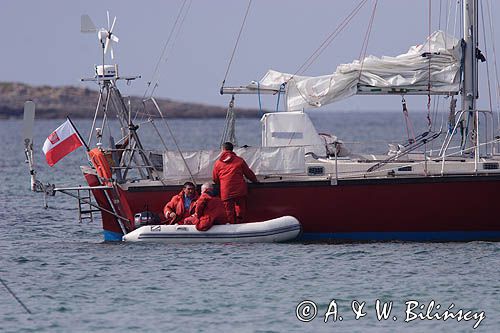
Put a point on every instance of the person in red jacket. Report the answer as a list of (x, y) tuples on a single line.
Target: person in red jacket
[(208, 210), (230, 172), (181, 205)]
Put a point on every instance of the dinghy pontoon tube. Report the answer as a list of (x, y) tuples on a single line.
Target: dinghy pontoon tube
[(281, 229)]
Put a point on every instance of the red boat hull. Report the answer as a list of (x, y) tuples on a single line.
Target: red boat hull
[(441, 208)]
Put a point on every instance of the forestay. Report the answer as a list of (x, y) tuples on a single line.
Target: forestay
[(262, 160), (406, 71)]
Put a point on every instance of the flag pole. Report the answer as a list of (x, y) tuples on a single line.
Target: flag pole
[(78, 133)]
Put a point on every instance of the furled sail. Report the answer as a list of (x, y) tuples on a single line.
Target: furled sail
[(406, 72)]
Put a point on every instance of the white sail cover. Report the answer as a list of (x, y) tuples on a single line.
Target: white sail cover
[(262, 160), (406, 71)]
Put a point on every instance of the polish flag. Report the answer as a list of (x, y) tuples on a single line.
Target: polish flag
[(61, 142)]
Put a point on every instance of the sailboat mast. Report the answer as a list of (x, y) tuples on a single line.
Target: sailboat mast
[(470, 80), (470, 75)]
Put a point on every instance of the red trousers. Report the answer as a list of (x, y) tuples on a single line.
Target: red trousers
[(202, 224), (236, 209)]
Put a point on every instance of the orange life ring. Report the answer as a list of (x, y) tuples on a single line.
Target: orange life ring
[(100, 163)]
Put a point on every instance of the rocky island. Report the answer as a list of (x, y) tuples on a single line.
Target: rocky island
[(58, 102)]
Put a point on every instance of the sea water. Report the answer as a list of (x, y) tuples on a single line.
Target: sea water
[(71, 281)]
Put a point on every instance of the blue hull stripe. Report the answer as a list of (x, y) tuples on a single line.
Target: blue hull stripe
[(110, 236), (404, 236)]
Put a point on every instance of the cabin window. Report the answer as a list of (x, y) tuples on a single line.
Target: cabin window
[(405, 168), (315, 171), (288, 135), (490, 166)]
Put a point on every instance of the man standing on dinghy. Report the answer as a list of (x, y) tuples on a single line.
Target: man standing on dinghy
[(209, 210), (230, 172), (181, 205)]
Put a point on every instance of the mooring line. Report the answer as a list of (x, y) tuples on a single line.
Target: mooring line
[(14, 295)]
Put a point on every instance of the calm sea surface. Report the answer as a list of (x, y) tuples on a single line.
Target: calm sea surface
[(73, 282)]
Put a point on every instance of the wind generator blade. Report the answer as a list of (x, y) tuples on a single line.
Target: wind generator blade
[(28, 121), (114, 38), (112, 54), (87, 25), (112, 25), (107, 14)]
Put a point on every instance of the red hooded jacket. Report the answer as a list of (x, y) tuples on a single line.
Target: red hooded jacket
[(229, 170), (176, 205), (209, 211)]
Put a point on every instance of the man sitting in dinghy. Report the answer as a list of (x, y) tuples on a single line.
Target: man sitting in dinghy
[(209, 210), (181, 205)]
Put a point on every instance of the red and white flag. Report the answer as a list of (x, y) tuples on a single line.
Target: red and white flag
[(61, 142)]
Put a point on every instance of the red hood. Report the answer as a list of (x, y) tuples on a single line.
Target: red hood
[(226, 156)]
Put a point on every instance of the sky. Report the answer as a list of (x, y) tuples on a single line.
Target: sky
[(42, 45)]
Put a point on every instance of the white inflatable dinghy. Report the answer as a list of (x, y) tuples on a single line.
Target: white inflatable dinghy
[(281, 229)]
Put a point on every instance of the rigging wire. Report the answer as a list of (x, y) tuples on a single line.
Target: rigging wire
[(176, 37), (155, 76), (492, 32), (410, 133), (436, 101), (364, 47), (439, 19), (142, 111), (179, 20), (457, 6), (309, 61), (448, 16), (429, 121), (237, 42), (487, 57), (452, 107), (488, 79), (173, 139), (435, 109)]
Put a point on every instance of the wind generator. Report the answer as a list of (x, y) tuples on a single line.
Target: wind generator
[(106, 38)]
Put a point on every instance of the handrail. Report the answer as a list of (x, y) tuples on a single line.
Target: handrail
[(420, 140)]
